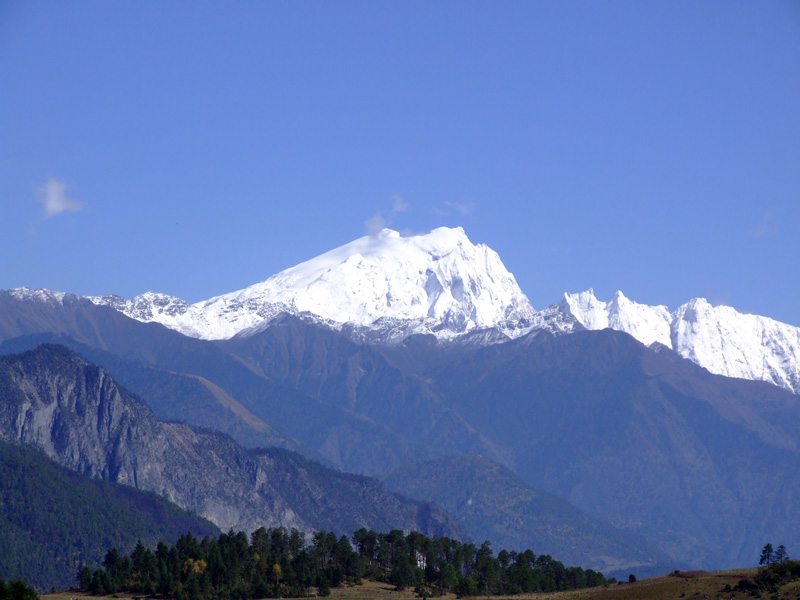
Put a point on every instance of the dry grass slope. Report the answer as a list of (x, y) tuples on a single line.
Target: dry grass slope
[(697, 585)]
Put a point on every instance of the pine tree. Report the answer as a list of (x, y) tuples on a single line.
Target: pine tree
[(767, 555)]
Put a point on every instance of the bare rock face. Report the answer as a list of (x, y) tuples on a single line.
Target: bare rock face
[(75, 412)]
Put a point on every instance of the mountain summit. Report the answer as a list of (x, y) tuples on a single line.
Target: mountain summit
[(439, 283)]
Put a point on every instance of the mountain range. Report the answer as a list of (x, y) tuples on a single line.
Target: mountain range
[(385, 288), (75, 413), (659, 439)]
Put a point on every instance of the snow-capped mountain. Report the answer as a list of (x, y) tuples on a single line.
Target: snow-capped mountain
[(647, 324), (436, 283), (386, 287), (718, 338)]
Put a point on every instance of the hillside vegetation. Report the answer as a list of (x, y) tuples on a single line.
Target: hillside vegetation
[(275, 563), (52, 520), (695, 585)]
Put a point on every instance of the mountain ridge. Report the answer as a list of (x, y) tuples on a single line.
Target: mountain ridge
[(385, 288), (718, 338), (439, 283), (639, 437)]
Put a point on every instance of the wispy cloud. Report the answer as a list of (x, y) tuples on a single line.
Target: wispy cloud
[(53, 196), (718, 297), (377, 222), (462, 208), (400, 205), (770, 225)]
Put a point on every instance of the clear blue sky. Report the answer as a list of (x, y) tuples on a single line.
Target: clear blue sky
[(195, 148)]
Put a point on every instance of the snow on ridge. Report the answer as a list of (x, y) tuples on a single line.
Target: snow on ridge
[(385, 287), (737, 344), (648, 324), (719, 338), (41, 294)]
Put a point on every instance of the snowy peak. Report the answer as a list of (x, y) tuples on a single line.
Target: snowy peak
[(739, 345), (718, 338), (438, 283), (647, 324)]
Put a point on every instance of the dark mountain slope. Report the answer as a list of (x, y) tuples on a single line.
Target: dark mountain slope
[(492, 503), (316, 389), (327, 429), (336, 371), (77, 414), (370, 503), (704, 465), (53, 520)]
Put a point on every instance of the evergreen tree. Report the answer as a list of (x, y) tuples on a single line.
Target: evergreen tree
[(17, 590), (273, 563), (767, 555)]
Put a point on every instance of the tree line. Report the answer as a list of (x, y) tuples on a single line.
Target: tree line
[(273, 563), (777, 570)]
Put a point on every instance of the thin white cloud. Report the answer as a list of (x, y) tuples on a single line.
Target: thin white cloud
[(53, 196), (718, 297), (400, 205), (770, 226), (462, 208), (375, 224), (378, 222)]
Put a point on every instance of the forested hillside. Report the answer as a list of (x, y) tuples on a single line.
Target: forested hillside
[(52, 520)]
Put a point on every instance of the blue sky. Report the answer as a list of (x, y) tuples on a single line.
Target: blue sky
[(195, 148)]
